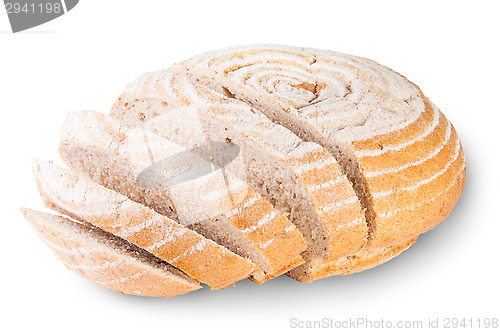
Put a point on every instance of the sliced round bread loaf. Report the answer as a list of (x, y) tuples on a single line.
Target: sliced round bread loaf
[(294, 159)]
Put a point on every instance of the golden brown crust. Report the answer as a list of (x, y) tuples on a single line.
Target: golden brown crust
[(361, 261), (277, 240), (260, 279), (335, 202), (425, 180)]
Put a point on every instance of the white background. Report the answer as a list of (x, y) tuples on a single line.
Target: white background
[(83, 60)]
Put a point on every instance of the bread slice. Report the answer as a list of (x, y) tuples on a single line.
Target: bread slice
[(299, 178), (107, 260), (217, 205), (82, 199), (402, 155)]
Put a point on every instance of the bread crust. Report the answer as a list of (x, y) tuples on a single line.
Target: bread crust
[(410, 192), (363, 260)]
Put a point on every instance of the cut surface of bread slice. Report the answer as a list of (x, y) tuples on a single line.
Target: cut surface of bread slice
[(107, 260), (299, 178), (217, 205), (402, 155), (82, 199)]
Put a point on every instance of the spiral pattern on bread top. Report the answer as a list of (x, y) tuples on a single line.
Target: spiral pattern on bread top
[(350, 97)]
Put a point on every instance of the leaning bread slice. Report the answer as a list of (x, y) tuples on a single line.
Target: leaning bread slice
[(82, 199), (299, 178), (216, 204), (107, 260)]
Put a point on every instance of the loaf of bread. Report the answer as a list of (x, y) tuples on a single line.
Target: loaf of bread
[(251, 162)]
